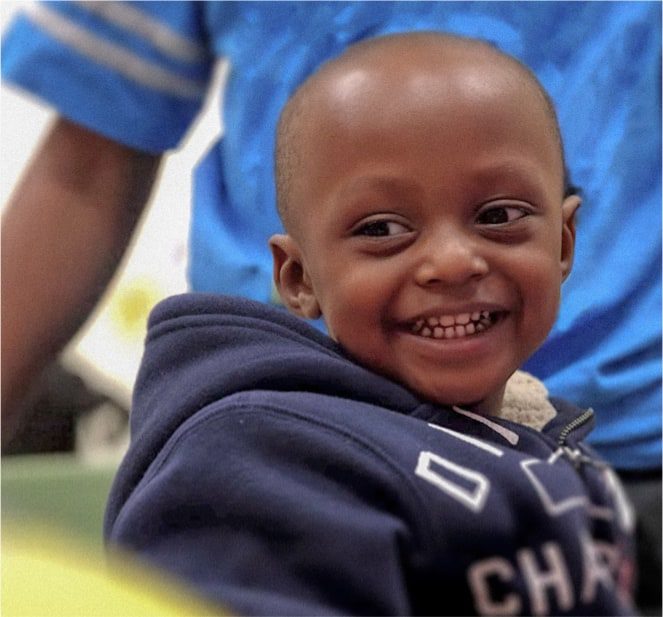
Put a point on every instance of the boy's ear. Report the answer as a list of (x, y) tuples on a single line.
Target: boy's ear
[(570, 206), (291, 279)]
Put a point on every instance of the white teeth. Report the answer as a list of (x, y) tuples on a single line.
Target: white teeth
[(452, 326), (463, 319)]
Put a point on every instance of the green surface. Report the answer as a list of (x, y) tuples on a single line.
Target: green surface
[(58, 491)]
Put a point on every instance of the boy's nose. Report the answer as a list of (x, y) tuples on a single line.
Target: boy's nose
[(450, 260)]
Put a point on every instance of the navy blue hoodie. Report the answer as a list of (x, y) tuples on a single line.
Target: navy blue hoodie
[(277, 477)]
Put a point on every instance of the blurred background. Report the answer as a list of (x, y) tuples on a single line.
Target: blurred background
[(61, 474), (108, 350)]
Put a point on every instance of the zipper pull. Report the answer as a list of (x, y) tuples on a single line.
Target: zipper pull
[(584, 417), (575, 455)]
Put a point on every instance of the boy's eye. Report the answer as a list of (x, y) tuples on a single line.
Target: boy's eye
[(499, 215), (381, 228)]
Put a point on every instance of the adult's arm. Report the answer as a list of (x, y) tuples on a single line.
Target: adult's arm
[(64, 232)]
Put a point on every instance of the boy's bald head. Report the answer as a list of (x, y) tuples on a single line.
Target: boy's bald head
[(370, 68)]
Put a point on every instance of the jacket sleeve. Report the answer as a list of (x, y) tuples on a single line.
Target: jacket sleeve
[(266, 513)]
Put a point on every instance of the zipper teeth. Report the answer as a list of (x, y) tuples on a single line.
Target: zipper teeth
[(579, 421)]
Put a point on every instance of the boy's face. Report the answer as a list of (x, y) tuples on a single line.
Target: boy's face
[(432, 233)]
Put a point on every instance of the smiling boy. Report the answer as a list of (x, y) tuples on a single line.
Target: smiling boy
[(432, 232), (383, 469)]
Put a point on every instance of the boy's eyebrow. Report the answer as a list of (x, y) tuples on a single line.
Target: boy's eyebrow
[(380, 183), (513, 160), (515, 169)]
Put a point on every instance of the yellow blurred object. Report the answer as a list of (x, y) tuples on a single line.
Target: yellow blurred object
[(130, 306), (48, 575)]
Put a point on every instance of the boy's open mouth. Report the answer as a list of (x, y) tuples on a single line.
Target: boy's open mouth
[(456, 326)]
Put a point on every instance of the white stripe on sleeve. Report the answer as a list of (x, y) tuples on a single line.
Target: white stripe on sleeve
[(112, 55), (163, 38)]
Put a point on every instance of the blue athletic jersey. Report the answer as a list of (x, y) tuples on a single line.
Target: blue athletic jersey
[(138, 72)]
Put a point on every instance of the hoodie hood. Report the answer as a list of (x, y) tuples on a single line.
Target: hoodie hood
[(201, 348)]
